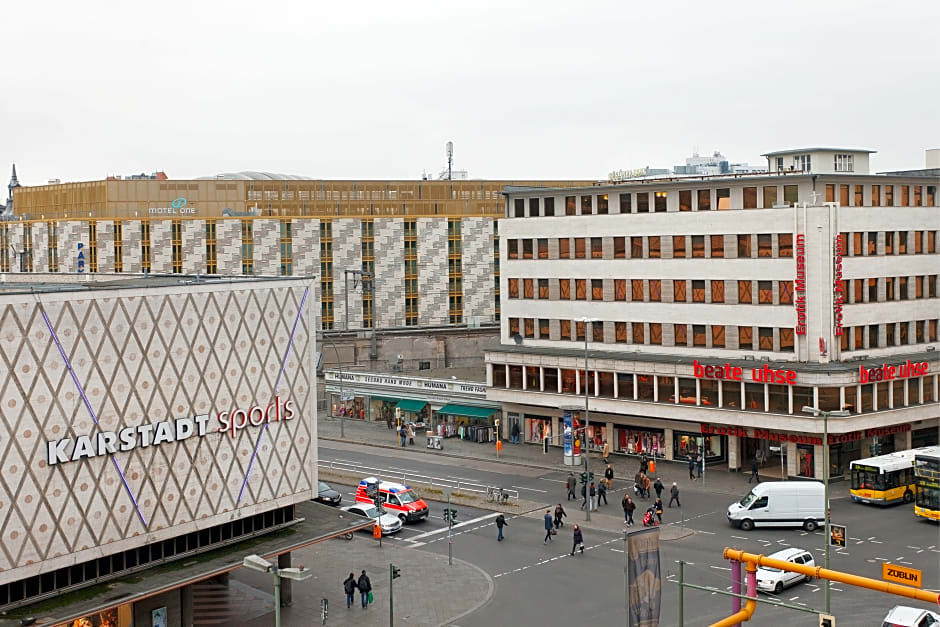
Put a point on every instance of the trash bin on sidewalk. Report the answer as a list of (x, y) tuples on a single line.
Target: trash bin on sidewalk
[(436, 442)]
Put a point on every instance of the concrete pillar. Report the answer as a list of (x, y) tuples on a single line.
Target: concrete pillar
[(283, 561), (902, 441), (818, 461), (733, 452), (489, 375), (186, 605), (793, 459), (667, 435), (610, 436)]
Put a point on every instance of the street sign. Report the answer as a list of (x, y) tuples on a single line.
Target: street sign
[(837, 535), (900, 574), (827, 620)]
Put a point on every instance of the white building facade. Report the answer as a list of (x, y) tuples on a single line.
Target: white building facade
[(722, 306)]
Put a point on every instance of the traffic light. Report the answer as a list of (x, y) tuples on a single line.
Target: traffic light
[(826, 620), (453, 514), (587, 477), (396, 571), (446, 515)]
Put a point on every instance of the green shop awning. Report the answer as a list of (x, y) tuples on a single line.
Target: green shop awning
[(387, 399), (466, 410), (408, 405)]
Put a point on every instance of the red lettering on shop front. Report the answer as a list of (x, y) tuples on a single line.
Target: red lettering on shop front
[(798, 438), (728, 372), (888, 373)]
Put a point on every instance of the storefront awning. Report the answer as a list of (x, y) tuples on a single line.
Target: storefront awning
[(387, 399), (409, 405), (465, 410)]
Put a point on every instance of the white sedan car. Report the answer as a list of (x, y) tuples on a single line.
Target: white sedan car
[(775, 580), (390, 523), (902, 616)]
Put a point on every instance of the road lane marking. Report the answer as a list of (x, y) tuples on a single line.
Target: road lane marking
[(463, 524), (719, 568), (532, 489), (739, 538), (553, 480), (794, 598)]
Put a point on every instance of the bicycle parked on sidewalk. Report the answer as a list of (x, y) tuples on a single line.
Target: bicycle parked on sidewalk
[(496, 495)]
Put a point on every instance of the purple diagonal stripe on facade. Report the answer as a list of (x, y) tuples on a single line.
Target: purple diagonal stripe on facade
[(277, 386), (81, 390)]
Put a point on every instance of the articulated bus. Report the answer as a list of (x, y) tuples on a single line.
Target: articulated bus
[(927, 476), (884, 479)]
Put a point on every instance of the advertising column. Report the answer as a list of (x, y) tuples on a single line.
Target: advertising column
[(572, 455)]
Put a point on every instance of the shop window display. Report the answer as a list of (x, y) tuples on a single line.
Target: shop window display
[(640, 442), (709, 391), (731, 394), (686, 444), (644, 387), (537, 428), (805, 465), (687, 393)]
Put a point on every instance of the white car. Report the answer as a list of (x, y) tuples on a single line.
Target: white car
[(775, 580), (390, 522), (903, 616)]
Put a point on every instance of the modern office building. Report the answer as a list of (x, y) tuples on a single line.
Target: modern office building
[(722, 306), (429, 244), (145, 422)]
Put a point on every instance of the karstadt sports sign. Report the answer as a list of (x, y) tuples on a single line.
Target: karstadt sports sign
[(155, 434)]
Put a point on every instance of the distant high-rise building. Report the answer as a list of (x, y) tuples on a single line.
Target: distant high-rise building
[(713, 165)]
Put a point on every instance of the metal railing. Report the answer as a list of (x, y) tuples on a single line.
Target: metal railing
[(408, 478)]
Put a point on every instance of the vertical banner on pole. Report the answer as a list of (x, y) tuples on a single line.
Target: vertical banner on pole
[(645, 581), (569, 435)]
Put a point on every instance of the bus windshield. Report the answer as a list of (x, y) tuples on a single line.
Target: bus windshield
[(867, 479)]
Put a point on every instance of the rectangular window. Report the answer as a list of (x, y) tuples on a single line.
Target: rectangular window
[(638, 333), (564, 289), (918, 242), (579, 252), (564, 248), (857, 247), (876, 195), (656, 334), (918, 287), (859, 195), (830, 192), (698, 335), (873, 336), (620, 333), (513, 288), (765, 293), (519, 207), (785, 244), (678, 291), (543, 289), (889, 195), (543, 328), (919, 331), (744, 246), (637, 289), (620, 289), (212, 260), (597, 333), (889, 288), (765, 245), (718, 246), (889, 243), (620, 248), (932, 330), (718, 291), (602, 204), (891, 338), (549, 206), (902, 334), (586, 206), (932, 286), (659, 200), (93, 246), (844, 195), (512, 246), (931, 241), (718, 336), (597, 248), (902, 242), (905, 196), (636, 247), (745, 337), (287, 247), (534, 207), (580, 289), (527, 249), (642, 202), (766, 338), (625, 204), (248, 247), (529, 327), (513, 326), (858, 291), (565, 326), (580, 329), (744, 292), (571, 205), (656, 290), (654, 250), (931, 195), (685, 200), (723, 196), (681, 332), (786, 340), (704, 200), (698, 246), (786, 292), (872, 243), (542, 244), (698, 291), (597, 289), (791, 195), (750, 198), (678, 246), (770, 196)]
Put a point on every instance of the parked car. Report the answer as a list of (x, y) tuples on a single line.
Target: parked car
[(780, 504), (397, 499), (903, 616), (775, 580), (390, 523), (327, 495)]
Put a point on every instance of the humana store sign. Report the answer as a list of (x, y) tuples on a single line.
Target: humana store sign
[(158, 433)]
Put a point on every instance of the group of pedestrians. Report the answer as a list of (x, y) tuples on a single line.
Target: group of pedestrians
[(406, 432), (363, 585)]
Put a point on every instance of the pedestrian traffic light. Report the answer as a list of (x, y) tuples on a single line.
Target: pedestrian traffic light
[(587, 477), (396, 571), (446, 515), (453, 514)]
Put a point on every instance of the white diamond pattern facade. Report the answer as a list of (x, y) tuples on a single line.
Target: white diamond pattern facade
[(144, 356)]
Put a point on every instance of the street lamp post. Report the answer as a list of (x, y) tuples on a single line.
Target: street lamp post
[(342, 397), (841, 413), (587, 422), (255, 562)]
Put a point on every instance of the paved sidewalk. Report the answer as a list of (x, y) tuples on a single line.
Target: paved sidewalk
[(429, 591), (717, 480)]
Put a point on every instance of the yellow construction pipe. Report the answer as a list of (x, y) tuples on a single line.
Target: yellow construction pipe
[(833, 575), (745, 613)]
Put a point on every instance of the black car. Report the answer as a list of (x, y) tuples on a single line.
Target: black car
[(328, 496)]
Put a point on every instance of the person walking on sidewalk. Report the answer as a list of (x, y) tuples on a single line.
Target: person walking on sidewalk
[(411, 435), (754, 467), (349, 587), (606, 451), (609, 476), (578, 540), (548, 527), (572, 486), (559, 514), (644, 464), (365, 587), (692, 466), (515, 433), (601, 493), (658, 486), (674, 495), (701, 464), (593, 491), (646, 487), (659, 508), (628, 508), (583, 495), (500, 523), (638, 483), (402, 435)]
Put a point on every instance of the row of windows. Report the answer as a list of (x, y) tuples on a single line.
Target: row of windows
[(657, 334), (890, 288), (326, 274), (653, 247), (720, 198), (411, 272), (890, 334), (652, 290), (455, 271), (857, 243), (756, 397)]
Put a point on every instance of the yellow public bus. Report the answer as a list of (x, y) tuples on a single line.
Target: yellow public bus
[(884, 479), (927, 477)]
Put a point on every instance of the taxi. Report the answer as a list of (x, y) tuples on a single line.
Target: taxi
[(397, 499)]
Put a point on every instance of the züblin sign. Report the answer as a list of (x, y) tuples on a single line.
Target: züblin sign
[(142, 436), (177, 207)]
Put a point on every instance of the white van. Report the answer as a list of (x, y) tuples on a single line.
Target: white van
[(780, 504)]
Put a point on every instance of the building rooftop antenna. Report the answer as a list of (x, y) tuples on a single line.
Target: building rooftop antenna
[(450, 160)]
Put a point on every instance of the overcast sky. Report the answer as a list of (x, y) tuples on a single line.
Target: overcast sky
[(524, 90)]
